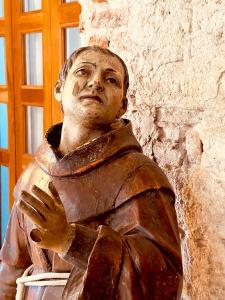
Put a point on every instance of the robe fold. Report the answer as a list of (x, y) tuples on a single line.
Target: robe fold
[(126, 243)]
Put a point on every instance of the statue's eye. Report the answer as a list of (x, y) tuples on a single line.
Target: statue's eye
[(82, 72), (112, 80)]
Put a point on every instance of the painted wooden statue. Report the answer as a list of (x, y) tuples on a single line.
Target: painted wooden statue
[(93, 218)]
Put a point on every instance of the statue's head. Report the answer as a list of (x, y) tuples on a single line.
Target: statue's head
[(93, 83)]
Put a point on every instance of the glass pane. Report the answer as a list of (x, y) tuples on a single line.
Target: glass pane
[(30, 5), (72, 40), (4, 198), (34, 128), (3, 126), (1, 8), (2, 61), (34, 61)]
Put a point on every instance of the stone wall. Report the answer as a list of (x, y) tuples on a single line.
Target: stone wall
[(175, 52)]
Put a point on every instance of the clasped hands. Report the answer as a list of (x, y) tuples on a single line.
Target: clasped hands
[(47, 213)]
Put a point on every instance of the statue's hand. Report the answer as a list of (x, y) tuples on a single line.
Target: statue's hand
[(48, 215)]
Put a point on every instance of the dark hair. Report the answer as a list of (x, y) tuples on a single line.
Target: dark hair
[(68, 64)]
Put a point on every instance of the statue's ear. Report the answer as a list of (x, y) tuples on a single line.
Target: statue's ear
[(58, 90), (123, 108)]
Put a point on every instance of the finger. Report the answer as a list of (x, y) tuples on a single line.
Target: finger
[(44, 197), (54, 192), (39, 237), (36, 235), (33, 215), (35, 203)]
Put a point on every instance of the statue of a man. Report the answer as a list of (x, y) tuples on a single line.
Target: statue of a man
[(93, 218)]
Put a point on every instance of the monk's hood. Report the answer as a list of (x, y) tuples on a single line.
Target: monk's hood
[(88, 156)]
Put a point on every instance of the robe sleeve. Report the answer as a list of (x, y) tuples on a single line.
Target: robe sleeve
[(14, 257), (134, 254)]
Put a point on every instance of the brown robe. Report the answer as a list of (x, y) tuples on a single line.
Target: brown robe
[(126, 244)]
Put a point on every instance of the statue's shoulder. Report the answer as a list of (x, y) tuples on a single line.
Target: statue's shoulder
[(142, 174), (31, 175)]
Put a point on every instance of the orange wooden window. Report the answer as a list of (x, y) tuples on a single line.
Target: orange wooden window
[(38, 37), (66, 16), (7, 154)]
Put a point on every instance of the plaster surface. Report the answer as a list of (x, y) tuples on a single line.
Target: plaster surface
[(175, 52)]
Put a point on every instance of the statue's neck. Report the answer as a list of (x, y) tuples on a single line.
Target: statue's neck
[(75, 134)]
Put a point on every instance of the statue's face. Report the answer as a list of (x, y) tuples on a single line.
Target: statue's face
[(94, 89)]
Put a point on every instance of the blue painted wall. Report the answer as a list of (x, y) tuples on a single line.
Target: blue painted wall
[(4, 177), (2, 61), (4, 172), (3, 125), (1, 8), (73, 40)]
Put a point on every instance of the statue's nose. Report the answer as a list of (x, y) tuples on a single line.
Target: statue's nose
[(95, 83)]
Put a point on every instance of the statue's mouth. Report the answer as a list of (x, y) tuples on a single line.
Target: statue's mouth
[(92, 97)]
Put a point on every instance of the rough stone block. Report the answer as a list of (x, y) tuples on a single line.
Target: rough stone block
[(102, 42)]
